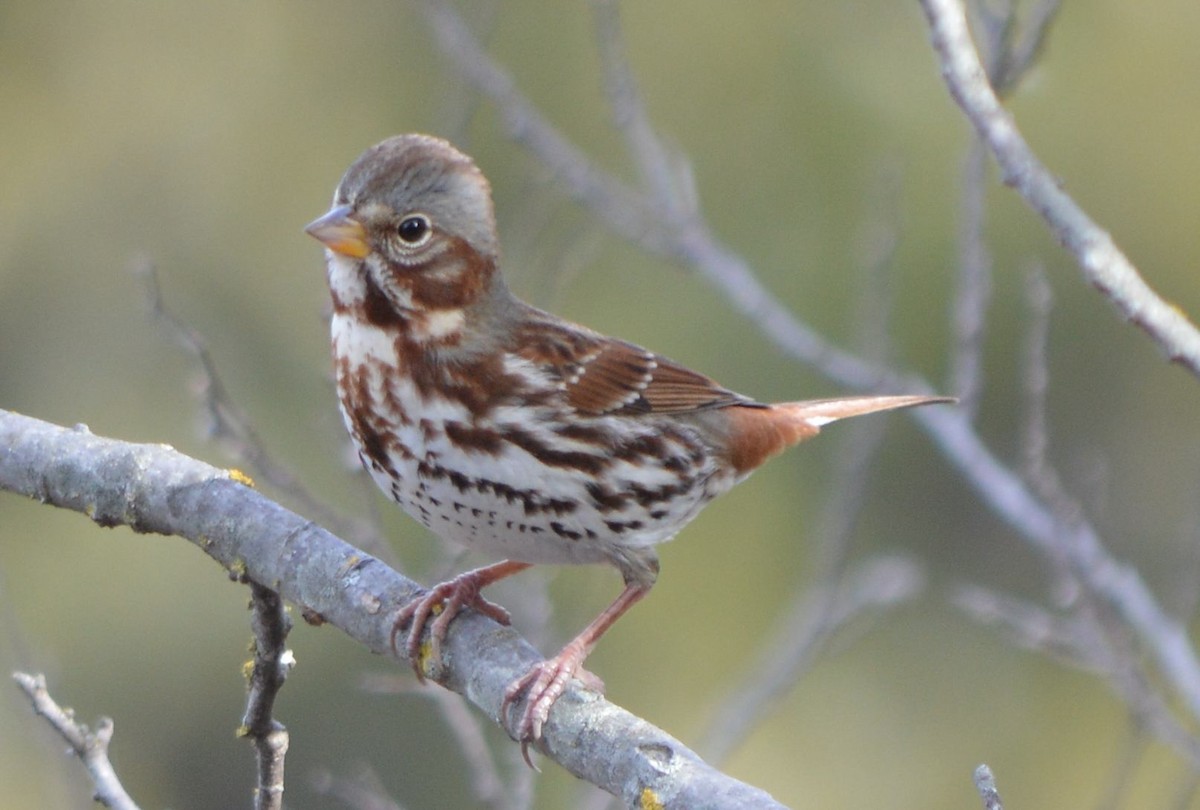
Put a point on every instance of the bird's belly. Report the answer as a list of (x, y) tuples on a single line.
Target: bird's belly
[(532, 483), (509, 502), (488, 516)]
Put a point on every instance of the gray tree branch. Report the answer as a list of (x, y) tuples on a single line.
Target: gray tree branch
[(1103, 264), (272, 662), (90, 746), (985, 783), (155, 489)]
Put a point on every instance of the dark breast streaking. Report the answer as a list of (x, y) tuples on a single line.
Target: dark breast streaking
[(467, 452)]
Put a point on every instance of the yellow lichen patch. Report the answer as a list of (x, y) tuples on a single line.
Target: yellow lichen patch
[(649, 800), (248, 668), (424, 653), (348, 564), (241, 478), (242, 731), (237, 570)]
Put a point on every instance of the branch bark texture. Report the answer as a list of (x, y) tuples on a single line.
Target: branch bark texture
[(155, 489)]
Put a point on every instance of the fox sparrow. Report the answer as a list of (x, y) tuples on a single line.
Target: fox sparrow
[(506, 429)]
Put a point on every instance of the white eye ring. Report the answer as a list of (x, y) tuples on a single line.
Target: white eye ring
[(414, 230)]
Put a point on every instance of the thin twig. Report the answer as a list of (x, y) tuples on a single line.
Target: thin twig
[(671, 189), (1023, 49), (465, 727), (974, 291), (985, 783), (874, 586), (1070, 639), (1123, 770), (1035, 426), (227, 423), (842, 595), (1103, 264), (641, 220), (90, 746), (1083, 641), (362, 792), (270, 668)]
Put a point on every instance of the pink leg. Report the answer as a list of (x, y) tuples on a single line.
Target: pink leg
[(451, 596), (544, 683)]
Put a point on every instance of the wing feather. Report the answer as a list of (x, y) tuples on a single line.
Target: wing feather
[(602, 375)]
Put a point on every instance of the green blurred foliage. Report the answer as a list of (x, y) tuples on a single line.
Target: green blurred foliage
[(204, 136)]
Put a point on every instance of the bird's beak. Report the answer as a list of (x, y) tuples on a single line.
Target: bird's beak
[(341, 232)]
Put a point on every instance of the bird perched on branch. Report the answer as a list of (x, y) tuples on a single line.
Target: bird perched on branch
[(507, 429)]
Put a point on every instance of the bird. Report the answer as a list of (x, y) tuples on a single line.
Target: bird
[(508, 430)]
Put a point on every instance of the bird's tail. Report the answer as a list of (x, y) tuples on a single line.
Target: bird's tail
[(820, 412), (760, 433)]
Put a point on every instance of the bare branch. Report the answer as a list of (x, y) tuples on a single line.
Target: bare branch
[(627, 212), (1103, 264), (1023, 50), (1035, 428), (464, 726), (268, 671), (1070, 639), (874, 586), (985, 783), (974, 291), (1115, 583), (89, 746), (1082, 641), (670, 188), (362, 792), (228, 424), (154, 489), (841, 595), (643, 221)]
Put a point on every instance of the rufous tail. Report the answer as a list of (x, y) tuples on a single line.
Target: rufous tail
[(759, 433)]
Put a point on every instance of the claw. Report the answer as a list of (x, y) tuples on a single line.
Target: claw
[(542, 686), (445, 601), (546, 681)]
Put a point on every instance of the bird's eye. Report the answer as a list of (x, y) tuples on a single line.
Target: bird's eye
[(414, 229)]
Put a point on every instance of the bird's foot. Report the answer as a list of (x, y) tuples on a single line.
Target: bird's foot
[(542, 685), (442, 602)]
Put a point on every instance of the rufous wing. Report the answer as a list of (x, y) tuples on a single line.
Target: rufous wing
[(602, 375), (619, 377)]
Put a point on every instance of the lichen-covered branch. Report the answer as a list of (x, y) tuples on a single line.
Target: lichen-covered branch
[(269, 669), (155, 489)]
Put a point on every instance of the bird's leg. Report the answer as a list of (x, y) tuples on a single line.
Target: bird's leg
[(450, 596), (545, 682)]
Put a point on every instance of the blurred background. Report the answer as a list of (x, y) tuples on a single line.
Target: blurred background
[(202, 137)]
